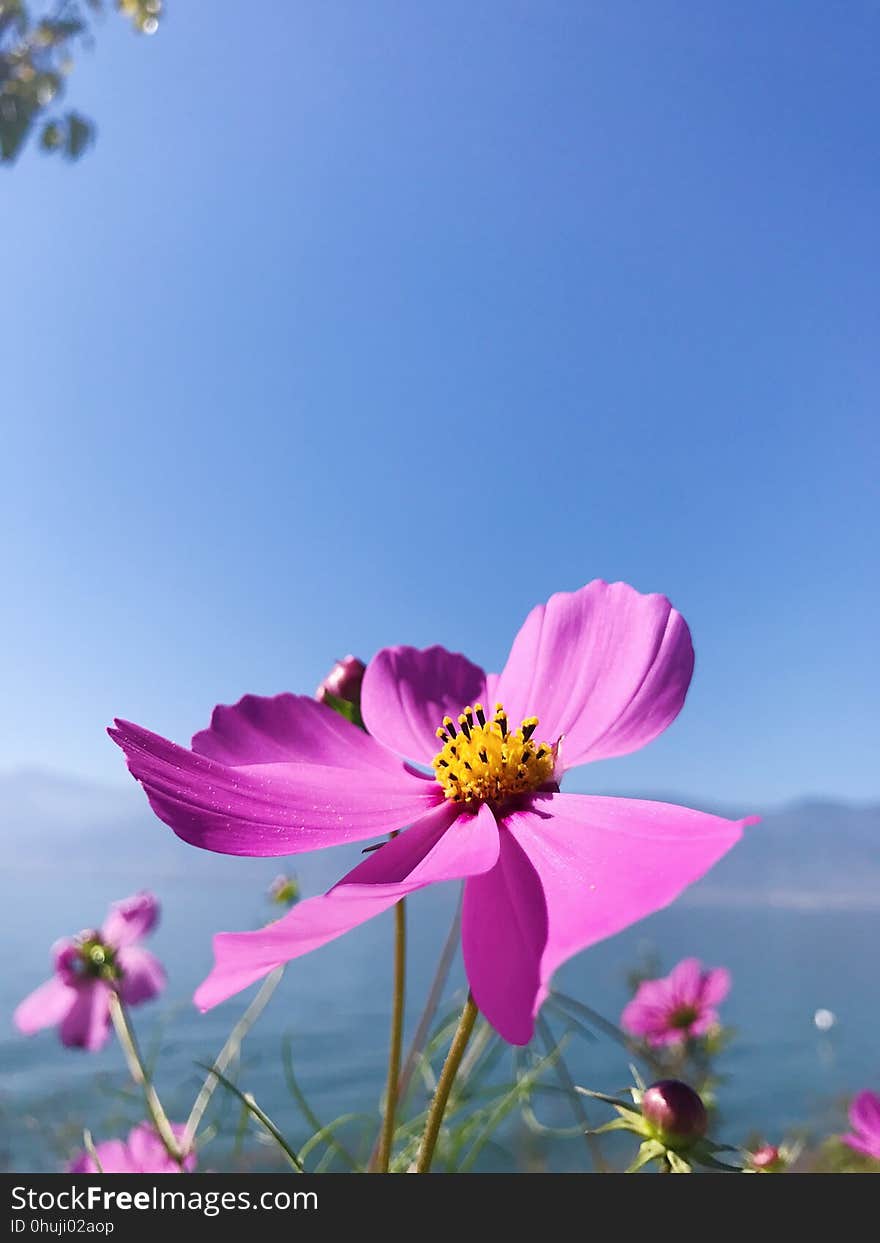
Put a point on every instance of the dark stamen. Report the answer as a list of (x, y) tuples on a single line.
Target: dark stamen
[(481, 716)]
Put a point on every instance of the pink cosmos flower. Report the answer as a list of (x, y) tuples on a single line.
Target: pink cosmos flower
[(596, 673), (88, 967), (864, 1118), (681, 1006), (142, 1153)]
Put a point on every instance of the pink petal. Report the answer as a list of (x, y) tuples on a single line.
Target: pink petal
[(584, 869), (868, 1147), (666, 1036), (715, 986), (640, 1019), (131, 919), (605, 667), (864, 1114), (503, 933), (87, 1024), (704, 1022), (655, 993), (443, 845), (289, 728), (113, 1156), (45, 1007), (270, 808), (685, 982), (407, 692), (66, 956), (143, 976), (149, 1155)]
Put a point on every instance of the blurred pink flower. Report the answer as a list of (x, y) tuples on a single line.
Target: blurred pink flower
[(602, 670), (141, 1153), (88, 967), (284, 890), (864, 1118), (678, 1007), (768, 1159)]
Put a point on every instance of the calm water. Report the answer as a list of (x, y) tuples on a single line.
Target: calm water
[(335, 1003)]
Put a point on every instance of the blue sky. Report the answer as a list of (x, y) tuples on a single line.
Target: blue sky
[(378, 323)]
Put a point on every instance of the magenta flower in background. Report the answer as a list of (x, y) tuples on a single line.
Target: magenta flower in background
[(864, 1118), (88, 967), (679, 1007), (141, 1153), (596, 673)]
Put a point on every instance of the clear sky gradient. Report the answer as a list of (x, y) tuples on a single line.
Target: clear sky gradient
[(370, 323)]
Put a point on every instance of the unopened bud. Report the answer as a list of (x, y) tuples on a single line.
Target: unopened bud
[(343, 681), (675, 1113)]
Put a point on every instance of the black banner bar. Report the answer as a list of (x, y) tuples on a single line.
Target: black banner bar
[(284, 1206)]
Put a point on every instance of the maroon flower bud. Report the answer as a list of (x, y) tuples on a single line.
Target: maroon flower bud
[(675, 1113), (343, 681)]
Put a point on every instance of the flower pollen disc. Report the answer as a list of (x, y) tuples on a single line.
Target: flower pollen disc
[(485, 762)]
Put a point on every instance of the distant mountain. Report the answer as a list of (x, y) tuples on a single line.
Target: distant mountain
[(811, 854)]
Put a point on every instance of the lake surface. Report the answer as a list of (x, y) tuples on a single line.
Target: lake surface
[(786, 963)]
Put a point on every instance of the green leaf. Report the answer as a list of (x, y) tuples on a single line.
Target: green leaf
[(308, 1113), (52, 136), (263, 1118), (710, 1162), (79, 135)]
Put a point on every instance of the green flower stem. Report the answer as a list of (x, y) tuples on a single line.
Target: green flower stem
[(423, 1030), (126, 1037), (92, 1151), (435, 995), (230, 1050), (386, 1139), (444, 1085)]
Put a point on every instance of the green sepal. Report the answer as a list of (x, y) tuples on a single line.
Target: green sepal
[(609, 1100), (345, 708), (650, 1150), (677, 1164), (630, 1124)]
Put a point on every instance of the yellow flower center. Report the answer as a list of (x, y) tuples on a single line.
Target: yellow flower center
[(484, 762)]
